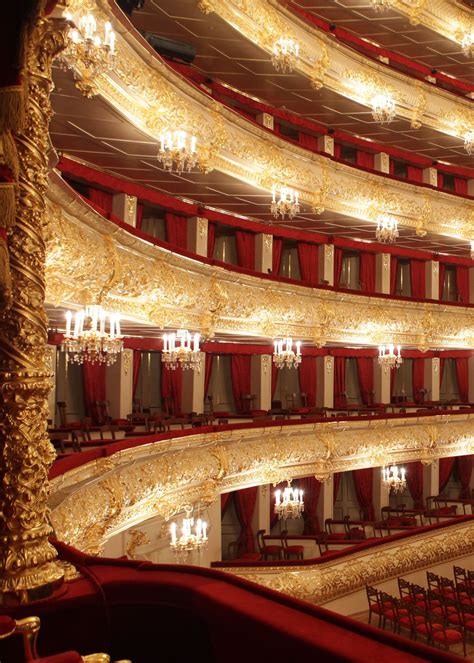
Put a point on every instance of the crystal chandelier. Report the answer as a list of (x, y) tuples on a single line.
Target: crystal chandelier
[(289, 504), (178, 151), (387, 228), (381, 5), (284, 355), (383, 108), (185, 355), (394, 479), (285, 54), (188, 541), (467, 43), (469, 141), (89, 340), (388, 358), (88, 53), (287, 203)]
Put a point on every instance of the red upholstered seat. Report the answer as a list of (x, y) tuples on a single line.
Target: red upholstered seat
[(7, 626), (444, 635), (65, 657), (337, 536)]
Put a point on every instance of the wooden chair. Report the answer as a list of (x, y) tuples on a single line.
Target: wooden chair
[(273, 551), (61, 405), (289, 550), (248, 401), (375, 606), (58, 439)]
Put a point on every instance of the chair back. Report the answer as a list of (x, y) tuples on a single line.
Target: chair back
[(373, 596), (261, 541), (284, 539), (304, 399)]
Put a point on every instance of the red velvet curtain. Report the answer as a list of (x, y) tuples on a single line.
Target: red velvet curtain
[(337, 150), (244, 507), (336, 483), (418, 379), (418, 278), (93, 382), (137, 360), (365, 159), (446, 466), (311, 489), (462, 376), (245, 243), (340, 399), (171, 387), (464, 474), (307, 379), (225, 501), (240, 375), (414, 174), (308, 141), (460, 186), (367, 272), (442, 273), (208, 371), (337, 265), (440, 180), (393, 274), (365, 373), (276, 255), (308, 260), (363, 484), (462, 283), (211, 239), (140, 208), (414, 476), (103, 199), (176, 229)]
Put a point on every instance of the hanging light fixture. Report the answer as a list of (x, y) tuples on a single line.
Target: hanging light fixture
[(381, 5), (89, 340), (178, 151), (289, 504), (467, 43), (387, 358), (469, 141), (383, 108), (284, 355), (285, 54), (181, 349), (394, 479), (387, 228), (287, 203), (89, 52), (188, 541)]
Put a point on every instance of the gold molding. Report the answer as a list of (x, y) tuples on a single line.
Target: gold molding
[(95, 501), (165, 289)]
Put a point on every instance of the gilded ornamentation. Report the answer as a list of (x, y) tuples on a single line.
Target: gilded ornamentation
[(418, 108), (131, 212), (27, 559), (135, 539), (202, 227), (127, 356), (156, 479)]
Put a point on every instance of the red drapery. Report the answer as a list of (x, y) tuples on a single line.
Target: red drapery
[(462, 376), (211, 239), (140, 208), (418, 379), (311, 489), (308, 260), (240, 375), (103, 199), (367, 272), (393, 274), (93, 379), (418, 278), (462, 283), (460, 186), (274, 379), (225, 501), (365, 159), (340, 399), (337, 482), (137, 360), (277, 249), (176, 229), (414, 478), (307, 379), (171, 387), (464, 474), (244, 508), (446, 466), (245, 243), (337, 150), (414, 174), (308, 141), (442, 273), (365, 373), (363, 484), (337, 265), (208, 372), (440, 180)]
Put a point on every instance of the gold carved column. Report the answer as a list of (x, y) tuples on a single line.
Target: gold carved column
[(28, 566)]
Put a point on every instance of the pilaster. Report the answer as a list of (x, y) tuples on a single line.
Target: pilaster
[(213, 552), (382, 383), (382, 273), (432, 378), (197, 235), (432, 279), (261, 514), (326, 501), (430, 176), (325, 381), (326, 145), (125, 207), (119, 382), (382, 162), (261, 381), (263, 253), (192, 397), (380, 494), (326, 264), (431, 479)]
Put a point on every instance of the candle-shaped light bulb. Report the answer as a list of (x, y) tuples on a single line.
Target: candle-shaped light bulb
[(277, 497), (112, 326), (193, 144), (395, 471), (198, 528), (275, 347), (402, 472), (68, 323), (301, 496), (107, 29), (298, 348), (204, 530), (398, 349), (196, 343), (117, 325), (112, 42), (273, 194), (173, 533)]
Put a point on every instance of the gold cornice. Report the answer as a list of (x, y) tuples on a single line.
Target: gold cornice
[(95, 501), (162, 288), (330, 580), (150, 95)]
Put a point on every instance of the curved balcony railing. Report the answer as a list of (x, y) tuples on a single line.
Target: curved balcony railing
[(129, 481), (153, 97), (88, 256)]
